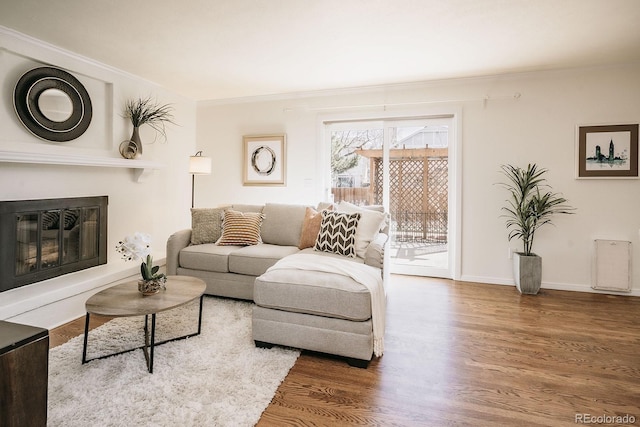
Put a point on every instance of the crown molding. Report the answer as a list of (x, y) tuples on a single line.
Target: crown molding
[(57, 50)]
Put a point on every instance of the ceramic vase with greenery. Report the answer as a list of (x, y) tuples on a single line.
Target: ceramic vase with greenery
[(531, 204), (137, 247), (144, 111)]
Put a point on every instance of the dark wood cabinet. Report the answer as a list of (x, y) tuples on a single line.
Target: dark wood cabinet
[(24, 368)]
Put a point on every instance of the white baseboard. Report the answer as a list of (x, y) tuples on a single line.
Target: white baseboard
[(549, 285), (56, 301)]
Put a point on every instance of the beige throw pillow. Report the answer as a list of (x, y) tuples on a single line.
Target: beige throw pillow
[(206, 225)]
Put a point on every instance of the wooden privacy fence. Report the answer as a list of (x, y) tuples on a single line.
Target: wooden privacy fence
[(356, 195)]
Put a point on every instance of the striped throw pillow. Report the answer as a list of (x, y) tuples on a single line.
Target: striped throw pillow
[(240, 228), (338, 233)]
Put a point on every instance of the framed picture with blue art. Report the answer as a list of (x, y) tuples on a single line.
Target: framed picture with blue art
[(264, 159), (607, 151)]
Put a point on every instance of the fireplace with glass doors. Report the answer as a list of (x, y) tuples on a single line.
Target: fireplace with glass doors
[(42, 239)]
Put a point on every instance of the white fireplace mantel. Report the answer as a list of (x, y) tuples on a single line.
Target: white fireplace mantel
[(142, 168)]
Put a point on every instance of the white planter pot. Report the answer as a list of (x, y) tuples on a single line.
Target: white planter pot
[(527, 272)]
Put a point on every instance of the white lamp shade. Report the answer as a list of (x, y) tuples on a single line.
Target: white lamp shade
[(199, 165)]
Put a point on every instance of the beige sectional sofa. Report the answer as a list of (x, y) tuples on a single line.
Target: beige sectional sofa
[(321, 309)]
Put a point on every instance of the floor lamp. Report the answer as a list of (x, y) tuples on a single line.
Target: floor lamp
[(198, 165)]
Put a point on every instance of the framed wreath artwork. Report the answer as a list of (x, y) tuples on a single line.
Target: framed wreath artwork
[(607, 151), (264, 159)]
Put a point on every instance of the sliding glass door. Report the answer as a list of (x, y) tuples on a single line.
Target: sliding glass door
[(403, 165)]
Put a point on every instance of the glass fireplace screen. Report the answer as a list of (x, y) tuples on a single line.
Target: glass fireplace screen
[(50, 237)]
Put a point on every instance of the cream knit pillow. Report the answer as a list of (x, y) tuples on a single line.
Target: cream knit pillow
[(206, 225)]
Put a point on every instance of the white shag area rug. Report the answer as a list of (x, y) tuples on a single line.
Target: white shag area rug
[(218, 378)]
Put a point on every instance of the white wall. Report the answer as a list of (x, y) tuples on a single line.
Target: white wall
[(538, 127), (158, 206)]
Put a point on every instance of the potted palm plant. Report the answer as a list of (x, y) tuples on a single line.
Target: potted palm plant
[(530, 205)]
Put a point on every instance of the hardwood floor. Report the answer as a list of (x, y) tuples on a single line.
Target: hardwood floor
[(64, 333), (460, 353)]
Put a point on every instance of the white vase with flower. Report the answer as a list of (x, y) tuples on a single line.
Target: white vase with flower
[(138, 247)]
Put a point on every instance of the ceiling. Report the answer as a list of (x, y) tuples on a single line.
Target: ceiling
[(218, 49)]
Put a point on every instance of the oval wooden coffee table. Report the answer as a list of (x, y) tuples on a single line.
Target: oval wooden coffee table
[(124, 300)]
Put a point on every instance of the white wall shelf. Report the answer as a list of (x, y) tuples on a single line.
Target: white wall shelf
[(142, 168)]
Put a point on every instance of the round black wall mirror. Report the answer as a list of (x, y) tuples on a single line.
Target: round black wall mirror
[(52, 104)]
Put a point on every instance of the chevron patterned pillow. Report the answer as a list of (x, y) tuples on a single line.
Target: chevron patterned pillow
[(338, 233)]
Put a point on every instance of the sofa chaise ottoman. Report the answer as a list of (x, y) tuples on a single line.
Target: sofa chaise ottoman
[(321, 303)]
